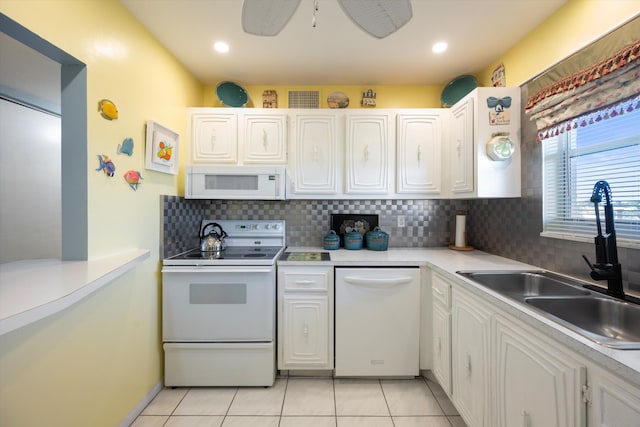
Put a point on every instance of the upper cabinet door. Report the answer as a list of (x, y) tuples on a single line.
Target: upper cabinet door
[(461, 150), (213, 136), (314, 149), (419, 152), (263, 137), (368, 153)]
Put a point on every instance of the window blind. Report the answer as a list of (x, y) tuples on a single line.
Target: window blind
[(574, 160)]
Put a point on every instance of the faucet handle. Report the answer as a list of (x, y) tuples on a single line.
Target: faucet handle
[(588, 263)]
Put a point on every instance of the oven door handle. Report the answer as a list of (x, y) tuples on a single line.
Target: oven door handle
[(210, 268)]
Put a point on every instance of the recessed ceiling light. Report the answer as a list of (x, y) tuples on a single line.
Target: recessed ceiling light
[(439, 47), (221, 47)]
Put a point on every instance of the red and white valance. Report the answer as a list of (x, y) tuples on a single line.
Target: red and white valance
[(596, 92)]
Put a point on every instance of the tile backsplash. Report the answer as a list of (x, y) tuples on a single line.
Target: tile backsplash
[(428, 223)]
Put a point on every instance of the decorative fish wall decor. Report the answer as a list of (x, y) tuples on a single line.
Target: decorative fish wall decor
[(107, 109), (106, 165), (133, 178)]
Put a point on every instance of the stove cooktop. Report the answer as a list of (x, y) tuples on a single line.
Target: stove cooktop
[(238, 255)]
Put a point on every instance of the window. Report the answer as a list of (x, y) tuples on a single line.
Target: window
[(599, 146)]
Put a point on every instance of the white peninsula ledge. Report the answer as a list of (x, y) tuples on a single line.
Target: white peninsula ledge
[(31, 290)]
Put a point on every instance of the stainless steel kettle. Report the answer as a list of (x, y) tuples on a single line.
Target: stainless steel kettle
[(212, 238)]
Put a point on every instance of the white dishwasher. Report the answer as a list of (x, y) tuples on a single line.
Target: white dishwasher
[(377, 321)]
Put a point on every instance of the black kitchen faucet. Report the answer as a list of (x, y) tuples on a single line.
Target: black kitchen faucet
[(606, 266)]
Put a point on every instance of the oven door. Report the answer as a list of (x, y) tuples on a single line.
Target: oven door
[(218, 304)]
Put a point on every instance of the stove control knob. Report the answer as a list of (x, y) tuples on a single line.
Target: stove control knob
[(276, 226)]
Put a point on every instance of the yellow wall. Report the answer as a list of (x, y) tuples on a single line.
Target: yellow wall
[(386, 96), (92, 364), (573, 26)]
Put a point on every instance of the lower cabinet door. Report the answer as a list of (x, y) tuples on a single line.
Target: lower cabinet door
[(305, 338), (536, 384), (470, 348), (614, 401), (442, 347)]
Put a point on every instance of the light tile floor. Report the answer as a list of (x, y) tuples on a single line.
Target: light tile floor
[(305, 402)]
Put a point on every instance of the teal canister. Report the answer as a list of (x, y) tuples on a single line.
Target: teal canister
[(331, 241), (353, 241), (377, 240)]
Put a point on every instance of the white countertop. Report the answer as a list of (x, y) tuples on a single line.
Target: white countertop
[(34, 289), (625, 363)]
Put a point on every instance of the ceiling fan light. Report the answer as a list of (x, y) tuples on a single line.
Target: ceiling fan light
[(439, 47), (378, 18), (267, 17), (221, 47)]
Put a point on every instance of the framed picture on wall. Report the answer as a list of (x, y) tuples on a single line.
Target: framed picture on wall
[(162, 149)]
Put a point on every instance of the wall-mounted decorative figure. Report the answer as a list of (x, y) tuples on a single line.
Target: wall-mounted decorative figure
[(133, 178), (269, 99), (126, 147), (369, 98), (106, 165), (107, 109), (499, 113)]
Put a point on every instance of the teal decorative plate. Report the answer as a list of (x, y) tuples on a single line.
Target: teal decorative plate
[(231, 94), (457, 88)]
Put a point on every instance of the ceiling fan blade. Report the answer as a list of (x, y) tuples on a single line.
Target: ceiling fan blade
[(378, 17), (267, 17)]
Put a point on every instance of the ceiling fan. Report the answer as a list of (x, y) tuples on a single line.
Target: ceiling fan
[(379, 18)]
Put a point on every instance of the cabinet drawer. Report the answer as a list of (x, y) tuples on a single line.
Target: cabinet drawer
[(304, 280), (441, 289)]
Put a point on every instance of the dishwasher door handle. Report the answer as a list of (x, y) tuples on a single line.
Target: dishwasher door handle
[(377, 283)]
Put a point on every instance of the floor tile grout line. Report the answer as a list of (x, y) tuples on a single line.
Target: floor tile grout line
[(284, 397), (386, 402), (426, 381)]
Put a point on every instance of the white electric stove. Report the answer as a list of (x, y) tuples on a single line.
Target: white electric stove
[(219, 308)]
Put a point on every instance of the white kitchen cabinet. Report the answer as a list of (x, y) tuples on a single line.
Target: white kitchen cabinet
[(314, 154), (212, 136), (369, 154), (262, 135), (419, 136), (441, 348), (470, 356), (537, 384), (461, 148), (236, 136), (475, 120), (613, 401), (305, 318)]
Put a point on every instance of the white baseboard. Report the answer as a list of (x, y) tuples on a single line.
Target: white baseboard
[(137, 410)]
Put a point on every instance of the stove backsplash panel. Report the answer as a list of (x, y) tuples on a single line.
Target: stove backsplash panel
[(428, 223)]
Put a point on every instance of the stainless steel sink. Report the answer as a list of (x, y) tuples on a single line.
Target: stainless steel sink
[(523, 284), (602, 319), (607, 321)]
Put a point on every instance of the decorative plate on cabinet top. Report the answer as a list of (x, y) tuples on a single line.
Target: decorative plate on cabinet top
[(457, 89), (338, 100), (231, 94)]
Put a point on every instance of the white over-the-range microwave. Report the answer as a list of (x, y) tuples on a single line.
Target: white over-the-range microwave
[(235, 182)]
